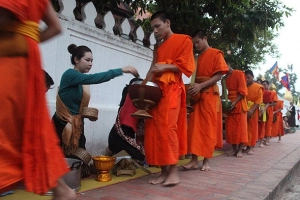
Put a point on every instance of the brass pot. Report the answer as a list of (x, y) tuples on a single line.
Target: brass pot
[(103, 164)]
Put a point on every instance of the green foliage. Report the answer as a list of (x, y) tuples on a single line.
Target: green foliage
[(243, 29)]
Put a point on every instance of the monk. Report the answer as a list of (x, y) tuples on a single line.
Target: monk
[(277, 120), (203, 132), (166, 133), (254, 99), (236, 120), (263, 116), (29, 148), (269, 110)]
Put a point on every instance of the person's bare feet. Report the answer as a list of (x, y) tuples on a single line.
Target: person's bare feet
[(158, 180), (192, 165), (267, 144), (232, 153), (261, 145), (62, 191), (205, 167), (251, 152), (239, 154), (161, 178), (172, 178), (247, 150)]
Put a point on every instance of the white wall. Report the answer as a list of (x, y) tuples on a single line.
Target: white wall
[(109, 51)]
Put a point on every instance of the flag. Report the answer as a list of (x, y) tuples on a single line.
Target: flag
[(274, 70), (285, 81), (290, 67)]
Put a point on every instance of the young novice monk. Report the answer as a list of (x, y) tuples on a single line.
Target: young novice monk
[(254, 99), (165, 134), (236, 120), (203, 134)]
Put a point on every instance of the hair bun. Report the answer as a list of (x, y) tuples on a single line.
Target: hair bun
[(71, 48)]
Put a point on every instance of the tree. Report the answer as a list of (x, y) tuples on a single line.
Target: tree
[(243, 29)]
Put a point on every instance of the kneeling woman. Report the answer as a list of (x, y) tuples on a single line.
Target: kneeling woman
[(73, 95), (128, 132)]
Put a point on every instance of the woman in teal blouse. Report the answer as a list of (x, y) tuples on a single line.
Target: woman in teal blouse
[(70, 93)]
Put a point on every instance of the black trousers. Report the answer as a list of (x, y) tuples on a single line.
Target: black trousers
[(117, 144)]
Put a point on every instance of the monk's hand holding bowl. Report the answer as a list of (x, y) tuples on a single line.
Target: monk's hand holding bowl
[(158, 68), (250, 113), (233, 105), (130, 69), (261, 112), (195, 88)]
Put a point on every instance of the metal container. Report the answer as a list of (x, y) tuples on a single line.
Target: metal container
[(73, 177)]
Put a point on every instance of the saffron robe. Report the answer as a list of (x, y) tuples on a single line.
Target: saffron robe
[(29, 147), (262, 119), (166, 133), (255, 96), (270, 110), (203, 133), (277, 125), (236, 120)]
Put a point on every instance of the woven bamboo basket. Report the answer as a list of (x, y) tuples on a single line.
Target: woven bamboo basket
[(83, 155), (90, 113)]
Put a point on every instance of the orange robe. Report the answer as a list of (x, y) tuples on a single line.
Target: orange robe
[(276, 127), (29, 146), (236, 122), (255, 96), (203, 133), (270, 109), (280, 118), (166, 133), (261, 122), (219, 127)]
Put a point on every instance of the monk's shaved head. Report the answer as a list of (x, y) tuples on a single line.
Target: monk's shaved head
[(162, 15), (199, 33), (249, 72)]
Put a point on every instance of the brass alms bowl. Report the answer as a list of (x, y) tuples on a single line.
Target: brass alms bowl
[(143, 97), (103, 164)]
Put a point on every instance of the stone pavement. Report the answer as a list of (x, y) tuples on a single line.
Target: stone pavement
[(265, 175)]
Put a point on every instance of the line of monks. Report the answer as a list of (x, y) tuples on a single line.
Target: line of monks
[(259, 120), (171, 132), (254, 117)]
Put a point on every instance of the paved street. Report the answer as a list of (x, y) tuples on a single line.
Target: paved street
[(293, 189), (264, 175)]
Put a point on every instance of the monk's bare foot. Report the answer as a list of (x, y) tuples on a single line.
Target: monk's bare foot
[(267, 144), (232, 153), (172, 178), (158, 180), (251, 152), (239, 155), (264, 142), (278, 141), (192, 165), (62, 191), (205, 167), (261, 146), (246, 151)]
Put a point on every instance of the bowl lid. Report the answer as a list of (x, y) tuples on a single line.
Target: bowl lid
[(148, 83)]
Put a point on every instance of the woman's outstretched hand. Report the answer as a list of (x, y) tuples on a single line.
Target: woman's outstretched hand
[(130, 69)]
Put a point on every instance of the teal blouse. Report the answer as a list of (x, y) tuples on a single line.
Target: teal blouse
[(70, 89)]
